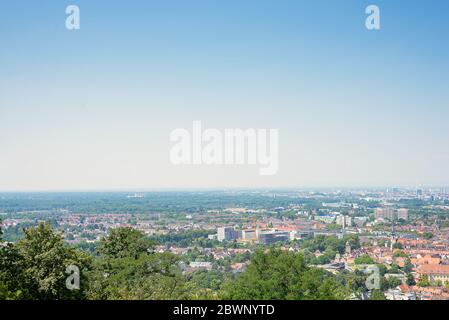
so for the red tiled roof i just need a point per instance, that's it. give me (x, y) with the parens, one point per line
(434, 269)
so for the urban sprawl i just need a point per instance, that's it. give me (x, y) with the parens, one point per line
(403, 231)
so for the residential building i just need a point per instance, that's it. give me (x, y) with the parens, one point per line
(403, 214)
(384, 213)
(435, 272)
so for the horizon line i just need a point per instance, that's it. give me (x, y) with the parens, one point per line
(194, 189)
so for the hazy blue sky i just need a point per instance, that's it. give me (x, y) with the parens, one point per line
(93, 109)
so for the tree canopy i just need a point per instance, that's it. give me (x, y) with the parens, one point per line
(278, 275)
(35, 268)
(125, 243)
(125, 266)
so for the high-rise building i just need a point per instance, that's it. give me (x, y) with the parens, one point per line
(348, 221)
(403, 214)
(360, 221)
(227, 234)
(384, 213)
(344, 221)
(340, 220)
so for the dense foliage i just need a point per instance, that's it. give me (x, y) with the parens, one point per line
(278, 275)
(35, 267)
(126, 267)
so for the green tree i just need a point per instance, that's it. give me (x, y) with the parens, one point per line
(394, 269)
(277, 275)
(410, 280)
(398, 245)
(399, 253)
(424, 281)
(428, 235)
(12, 278)
(124, 243)
(408, 267)
(382, 269)
(364, 259)
(149, 277)
(128, 269)
(355, 281)
(393, 282)
(377, 295)
(42, 259)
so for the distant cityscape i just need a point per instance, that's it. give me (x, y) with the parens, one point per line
(404, 230)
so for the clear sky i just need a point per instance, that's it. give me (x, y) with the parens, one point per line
(93, 109)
